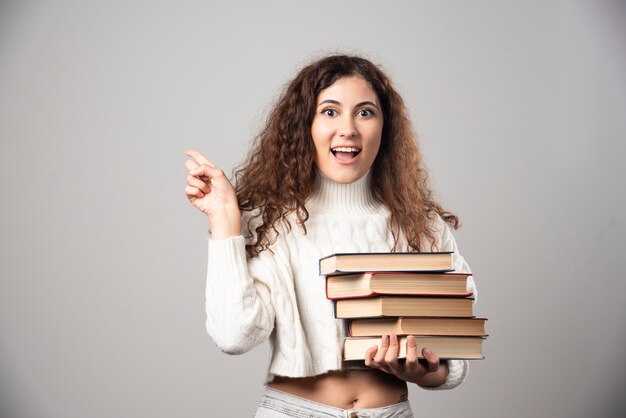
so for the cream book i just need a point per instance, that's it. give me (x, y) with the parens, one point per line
(445, 347)
(403, 306)
(468, 327)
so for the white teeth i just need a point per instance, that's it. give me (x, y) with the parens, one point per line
(345, 149)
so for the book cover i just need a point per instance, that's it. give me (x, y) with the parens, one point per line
(375, 262)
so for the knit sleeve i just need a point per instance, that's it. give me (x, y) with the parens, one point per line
(448, 243)
(239, 310)
(457, 369)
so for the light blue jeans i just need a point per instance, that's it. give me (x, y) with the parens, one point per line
(277, 404)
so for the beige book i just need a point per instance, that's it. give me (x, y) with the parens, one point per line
(444, 347)
(403, 306)
(371, 327)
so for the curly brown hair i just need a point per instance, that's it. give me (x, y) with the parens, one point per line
(279, 174)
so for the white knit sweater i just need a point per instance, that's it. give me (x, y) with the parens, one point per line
(279, 294)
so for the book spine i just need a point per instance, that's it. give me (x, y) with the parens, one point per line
(326, 288)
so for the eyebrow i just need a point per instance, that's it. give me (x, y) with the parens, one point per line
(367, 102)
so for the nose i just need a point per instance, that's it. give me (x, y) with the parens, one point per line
(347, 129)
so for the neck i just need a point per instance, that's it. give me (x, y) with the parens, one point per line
(351, 198)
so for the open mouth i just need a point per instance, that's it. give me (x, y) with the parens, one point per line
(345, 153)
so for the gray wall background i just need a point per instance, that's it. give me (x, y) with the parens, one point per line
(521, 108)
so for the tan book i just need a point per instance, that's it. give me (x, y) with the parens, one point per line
(372, 262)
(444, 347)
(396, 283)
(468, 327)
(403, 306)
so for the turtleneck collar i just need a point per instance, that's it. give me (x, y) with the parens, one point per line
(351, 198)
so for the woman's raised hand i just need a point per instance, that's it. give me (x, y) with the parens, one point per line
(211, 192)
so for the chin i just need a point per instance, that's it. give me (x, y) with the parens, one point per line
(345, 178)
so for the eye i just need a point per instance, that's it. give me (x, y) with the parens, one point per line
(366, 113)
(329, 112)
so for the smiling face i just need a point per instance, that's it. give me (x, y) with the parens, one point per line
(347, 129)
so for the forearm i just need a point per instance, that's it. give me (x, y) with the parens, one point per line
(239, 314)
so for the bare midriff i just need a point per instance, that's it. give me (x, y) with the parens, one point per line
(346, 389)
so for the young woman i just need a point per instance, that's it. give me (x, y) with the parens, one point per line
(336, 169)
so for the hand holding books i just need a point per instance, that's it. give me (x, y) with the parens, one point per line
(428, 371)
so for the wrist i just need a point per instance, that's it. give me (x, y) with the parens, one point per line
(223, 227)
(221, 232)
(435, 378)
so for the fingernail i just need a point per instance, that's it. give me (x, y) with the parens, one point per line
(427, 352)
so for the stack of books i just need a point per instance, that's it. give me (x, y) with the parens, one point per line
(403, 294)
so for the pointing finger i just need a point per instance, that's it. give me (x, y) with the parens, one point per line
(198, 157)
(190, 164)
